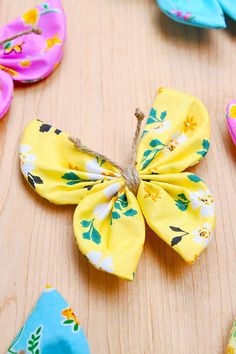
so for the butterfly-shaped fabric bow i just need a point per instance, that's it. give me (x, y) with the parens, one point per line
(30, 48)
(231, 119)
(51, 328)
(200, 13)
(114, 201)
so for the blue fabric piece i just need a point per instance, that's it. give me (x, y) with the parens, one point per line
(199, 13)
(229, 7)
(51, 328)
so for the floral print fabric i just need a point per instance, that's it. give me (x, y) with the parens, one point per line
(109, 219)
(200, 13)
(231, 120)
(52, 327)
(31, 57)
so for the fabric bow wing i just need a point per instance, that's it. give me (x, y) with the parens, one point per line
(30, 48)
(177, 206)
(108, 222)
(201, 13)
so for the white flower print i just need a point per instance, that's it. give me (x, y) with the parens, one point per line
(102, 210)
(111, 190)
(176, 140)
(162, 126)
(203, 235)
(96, 258)
(96, 171)
(27, 160)
(203, 200)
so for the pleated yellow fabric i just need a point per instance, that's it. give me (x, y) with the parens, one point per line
(109, 219)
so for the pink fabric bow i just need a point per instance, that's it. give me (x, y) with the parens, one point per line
(231, 119)
(31, 57)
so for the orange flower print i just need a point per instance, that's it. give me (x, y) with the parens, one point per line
(31, 17)
(8, 70)
(53, 41)
(70, 319)
(108, 174)
(25, 63)
(232, 111)
(189, 124)
(13, 48)
(153, 196)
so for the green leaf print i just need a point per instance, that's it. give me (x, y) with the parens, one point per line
(183, 202)
(72, 178)
(96, 236)
(202, 153)
(86, 235)
(123, 200)
(100, 161)
(92, 233)
(205, 146)
(130, 212)
(194, 178)
(155, 143)
(85, 223)
(153, 117)
(119, 209)
(115, 215)
(34, 340)
(76, 327)
(66, 322)
(46, 6)
(7, 45)
(150, 154)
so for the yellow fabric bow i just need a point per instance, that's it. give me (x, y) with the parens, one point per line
(109, 219)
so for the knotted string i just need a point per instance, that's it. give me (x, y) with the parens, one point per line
(129, 173)
(35, 30)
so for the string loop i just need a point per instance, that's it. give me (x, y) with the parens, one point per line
(129, 173)
(35, 30)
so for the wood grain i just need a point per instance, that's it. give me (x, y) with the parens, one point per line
(117, 54)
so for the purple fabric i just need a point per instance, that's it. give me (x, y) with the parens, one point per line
(231, 120)
(32, 57)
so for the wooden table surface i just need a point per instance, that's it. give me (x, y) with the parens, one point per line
(117, 54)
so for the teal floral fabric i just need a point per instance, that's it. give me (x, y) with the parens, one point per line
(200, 13)
(51, 328)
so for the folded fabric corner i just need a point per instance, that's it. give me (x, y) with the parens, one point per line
(201, 13)
(51, 328)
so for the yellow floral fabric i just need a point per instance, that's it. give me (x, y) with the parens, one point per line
(109, 220)
(231, 349)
